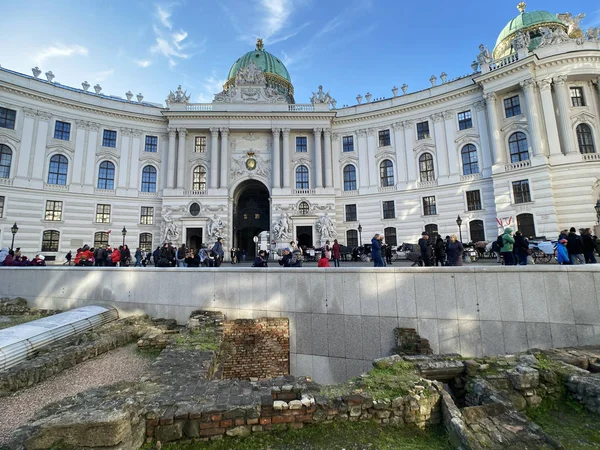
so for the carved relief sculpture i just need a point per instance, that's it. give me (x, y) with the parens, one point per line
(574, 32)
(169, 231)
(282, 231)
(326, 227)
(215, 227)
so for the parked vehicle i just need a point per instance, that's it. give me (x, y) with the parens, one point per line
(543, 251)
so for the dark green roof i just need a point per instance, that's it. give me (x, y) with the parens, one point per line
(526, 20)
(263, 59)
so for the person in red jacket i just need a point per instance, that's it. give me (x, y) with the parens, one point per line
(84, 256)
(336, 250)
(115, 257)
(323, 261)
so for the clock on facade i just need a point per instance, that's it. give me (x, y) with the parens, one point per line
(250, 164)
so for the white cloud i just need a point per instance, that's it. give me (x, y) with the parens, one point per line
(59, 50)
(210, 86)
(103, 75)
(163, 15)
(179, 37)
(169, 50)
(143, 62)
(277, 14)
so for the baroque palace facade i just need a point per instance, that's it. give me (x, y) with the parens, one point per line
(515, 142)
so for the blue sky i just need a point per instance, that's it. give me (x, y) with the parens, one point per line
(348, 46)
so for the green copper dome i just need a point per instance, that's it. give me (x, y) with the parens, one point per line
(527, 22)
(263, 59)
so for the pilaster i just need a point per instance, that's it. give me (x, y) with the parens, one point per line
(276, 158)
(562, 100)
(318, 158)
(286, 157)
(533, 118)
(214, 158)
(224, 157)
(181, 158)
(171, 159)
(545, 87)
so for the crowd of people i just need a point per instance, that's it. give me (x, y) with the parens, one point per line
(16, 258)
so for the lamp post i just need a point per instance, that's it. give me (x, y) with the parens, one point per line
(360, 235)
(459, 223)
(124, 233)
(255, 239)
(597, 208)
(13, 230)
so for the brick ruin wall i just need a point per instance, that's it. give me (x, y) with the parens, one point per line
(256, 348)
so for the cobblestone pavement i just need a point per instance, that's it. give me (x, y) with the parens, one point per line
(122, 364)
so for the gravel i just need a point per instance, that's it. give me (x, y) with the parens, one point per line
(122, 364)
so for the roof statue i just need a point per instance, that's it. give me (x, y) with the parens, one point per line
(521, 41)
(179, 96)
(572, 22)
(484, 57)
(551, 37)
(260, 45)
(251, 74)
(320, 97)
(593, 34)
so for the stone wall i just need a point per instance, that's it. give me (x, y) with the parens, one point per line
(342, 319)
(18, 307)
(256, 348)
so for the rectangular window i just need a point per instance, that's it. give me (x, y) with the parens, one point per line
(384, 138)
(465, 120)
(1, 206)
(423, 130)
(109, 139)
(389, 209)
(147, 215)
(62, 130)
(301, 144)
(473, 200)
(53, 210)
(103, 213)
(200, 144)
(521, 191)
(348, 143)
(7, 118)
(577, 96)
(151, 144)
(512, 106)
(352, 238)
(350, 213)
(429, 208)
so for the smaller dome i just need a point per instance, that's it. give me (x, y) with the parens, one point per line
(527, 22)
(263, 59)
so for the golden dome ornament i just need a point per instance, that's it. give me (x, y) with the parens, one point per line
(251, 161)
(521, 7)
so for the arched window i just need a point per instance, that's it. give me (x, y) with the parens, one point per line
(526, 225)
(199, 181)
(349, 178)
(301, 177)
(146, 241)
(431, 229)
(101, 239)
(50, 241)
(149, 179)
(106, 175)
(303, 208)
(5, 161)
(352, 238)
(584, 139)
(57, 172)
(386, 173)
(389, 235)
(476, 231)
(426, 167)
(469, 159)
(517, 144)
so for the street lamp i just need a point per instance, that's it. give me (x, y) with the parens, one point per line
(597, 208)
(124, 233)
(255, 239)
(459, 223)
(13, 230)
(360, 234)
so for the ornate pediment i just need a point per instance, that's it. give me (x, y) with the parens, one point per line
(518, 125)
(387, 153)
(582, 117)
(424, 148)
(64, 148)
(466, 138)
(150, 157)
(9, 140)
(250, 164)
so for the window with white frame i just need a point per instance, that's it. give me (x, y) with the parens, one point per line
(57, 171)
(53, 210)
(109, 139)
(200, 144)
(350, 213)
(473, 200)
(50, 240)
(301, 145)
(389, 235)
(423, 130)
(348, 143)
(145, 242)
(7, 118)
(386, 173)
(199, 179)
(426, 171)
(512, 106)
(429, 206)
(465, 121)
(352, 238)
(585, 139)
(102, 213)
(577, 96)
(389, 209)
(62, 130)
(349, 178)
(149, 179)
(106, 175)
(5, 161)
(151, 144)
(469, 159)
(517, 145)
(101, 239)
(147, 215)
(1, 206)
(384, 138)
(301, 177)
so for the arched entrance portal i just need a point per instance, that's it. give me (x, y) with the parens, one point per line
(250, 215)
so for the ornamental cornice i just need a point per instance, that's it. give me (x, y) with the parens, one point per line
(416, 106)
(448, 115)
(147, 156)
(424, 148)
(30, 112)
(8, 139)
(371, 132)
(408, 124)
(93, 126)
(362, 132)
(81, 124)
(79, 107)
(387, 153)
(348, 157)
(569, 60)
(467, 138)
(583, 117)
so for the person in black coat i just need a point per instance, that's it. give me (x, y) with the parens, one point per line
(425, 246)
(192, 259)
(261, 259)
(440, 251)
(286, 259)
(520, 248)
(575, 247)
(589, 245)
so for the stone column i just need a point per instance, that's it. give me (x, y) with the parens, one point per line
(224, 157)
(132, 172)
(171, 165)
(401, 168)
(363, 159)
(181, 158)
(409, 157)
(370, 162)
(126, 134)
(89, 160)
(533, 118)
(484, 139)
(276, 158)
(318, 159)
(441, 155)
(328, 174)
(214, 158)
(498, 153)
(39, 155)
(286, 157)
(452, 164)
(562, 99)
(26, 146)
(545, 87)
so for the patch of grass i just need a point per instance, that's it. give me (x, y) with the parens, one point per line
(567, 421)
(205, 339)
(337, 435)
(17, 320)
(381, 382)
